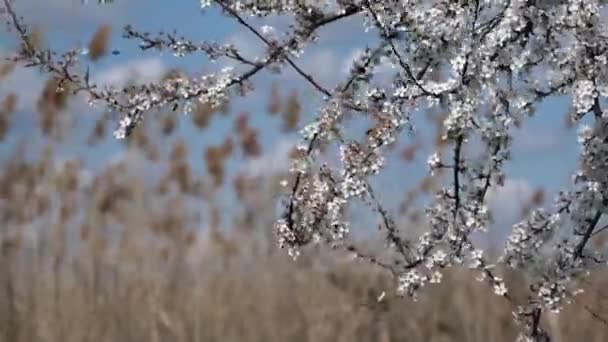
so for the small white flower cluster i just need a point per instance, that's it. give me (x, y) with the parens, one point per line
(500, 288)
(583, 97)
(410, 282)
(527, 238)
(181, 46)
(434, 162)
(210, 89)
(287, 238)
(552, 295)
(269, 33)
(459, 120)
(354, 184)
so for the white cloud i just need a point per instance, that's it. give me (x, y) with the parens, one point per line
(142, 70)
(321, 65)
(506, 202)
(274, 161)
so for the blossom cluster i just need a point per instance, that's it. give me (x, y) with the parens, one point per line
(486, 64)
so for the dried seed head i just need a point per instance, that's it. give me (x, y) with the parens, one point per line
(98, 46)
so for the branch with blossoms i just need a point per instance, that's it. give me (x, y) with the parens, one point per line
(487, 64)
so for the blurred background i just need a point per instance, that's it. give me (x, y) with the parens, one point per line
(167, 235)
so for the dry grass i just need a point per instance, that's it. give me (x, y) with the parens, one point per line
(142, 295)
(132, 268)
(98, 46)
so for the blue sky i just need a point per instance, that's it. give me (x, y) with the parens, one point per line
(544, 153)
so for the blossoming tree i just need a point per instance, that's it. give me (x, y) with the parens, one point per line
(488, 63)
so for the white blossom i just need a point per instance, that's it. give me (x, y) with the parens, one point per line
(486, 66)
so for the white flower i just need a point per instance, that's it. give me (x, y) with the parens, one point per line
(436, 277)
(458, 63)
(583, 97)
(266, 29)
(434, 161)
(500, 288)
